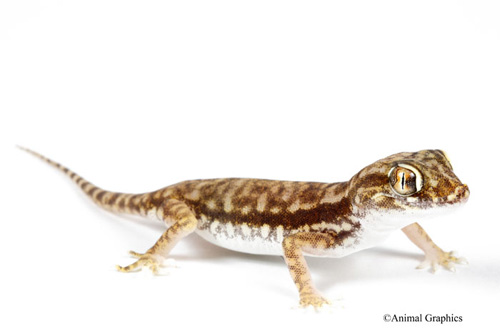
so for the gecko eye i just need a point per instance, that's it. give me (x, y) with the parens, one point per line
(405, 180)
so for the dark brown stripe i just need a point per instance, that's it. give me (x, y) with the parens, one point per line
(327, 212)
(100, 196)
(91, 191)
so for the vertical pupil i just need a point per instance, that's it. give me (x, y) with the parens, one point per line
(404, 181)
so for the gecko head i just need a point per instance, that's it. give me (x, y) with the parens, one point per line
(409, 183)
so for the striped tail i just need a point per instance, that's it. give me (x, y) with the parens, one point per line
(110, 201)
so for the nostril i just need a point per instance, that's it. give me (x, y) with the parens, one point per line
(462, 190)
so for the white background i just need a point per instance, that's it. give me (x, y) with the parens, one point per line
(137, 95)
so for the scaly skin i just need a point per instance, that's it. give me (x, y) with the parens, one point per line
(293, 219)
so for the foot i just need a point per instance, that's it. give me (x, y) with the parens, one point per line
(313, 299)
(439, 258)
(154, 262)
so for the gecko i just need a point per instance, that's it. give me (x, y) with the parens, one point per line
(297, 219)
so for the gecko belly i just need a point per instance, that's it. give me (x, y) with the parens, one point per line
(242, 237)
(266, 241)
(237, 243)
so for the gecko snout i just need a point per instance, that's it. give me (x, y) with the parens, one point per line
(462, 192)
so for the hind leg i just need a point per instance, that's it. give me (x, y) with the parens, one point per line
(185, 224)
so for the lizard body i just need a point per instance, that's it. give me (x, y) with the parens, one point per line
(293, 219)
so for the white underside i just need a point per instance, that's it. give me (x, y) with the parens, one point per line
(274, 247)
(365, 238)
(239, 244)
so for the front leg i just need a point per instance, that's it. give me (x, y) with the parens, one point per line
(434, 256)
(293, 246)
